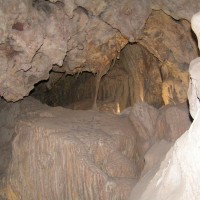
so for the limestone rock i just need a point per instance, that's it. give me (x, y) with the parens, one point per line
(135, 77)
(177, 9)
(173, 121)
(145, 79)
(153, 159)
(178, 176)
(63, 154)
(39, 35)
(26, 55)
(93, 7)
(144, 117)
(155, 155)
(72, 36)
(93, 45)
(128, 16)
(172, 43)
(8, 118)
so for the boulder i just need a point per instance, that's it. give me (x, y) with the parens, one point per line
(144, 117)
(173, 121)
(62, 154)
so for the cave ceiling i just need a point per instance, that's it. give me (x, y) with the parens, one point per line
(37, 36)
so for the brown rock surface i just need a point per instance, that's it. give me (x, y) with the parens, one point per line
(135, 77)
(153, 160)
(177, 178)
(38, 35)
(155, 155)
(144, 71)
(173, 121)
(153, 125)
(181, 9)
(8, 117)
(72, 36)
(144, 118)
(172, 43)
(64, 154)
(128, 16)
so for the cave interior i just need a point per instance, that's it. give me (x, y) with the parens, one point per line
(94, 99)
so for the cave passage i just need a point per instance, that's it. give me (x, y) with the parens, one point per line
(62, 63)
(135, 77)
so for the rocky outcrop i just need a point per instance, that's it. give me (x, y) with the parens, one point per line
(145, 84)
(144, 118)
(8, 117)
(177, 178)
(172, 43)
(38, 35)
(152, 125)
(64, 154)
(72, 36)
(155, 70)
(61, 153)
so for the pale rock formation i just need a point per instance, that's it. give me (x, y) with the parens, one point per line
(196, 26)
(60, 154)
(178, 175)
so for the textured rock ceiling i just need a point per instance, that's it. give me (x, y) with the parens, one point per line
(70, 36)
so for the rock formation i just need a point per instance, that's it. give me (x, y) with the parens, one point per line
(134, 78)
(39, 35)
(169, 125)
(177, 9)
(72, 36)
(178, 175)
(63, 154)
(172, 43)
(140, 50)
(57, 153)
(154, 70)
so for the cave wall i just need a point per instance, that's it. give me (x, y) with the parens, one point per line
(57, 154)
(153, 70)
(69, 36)
(135, 77)
(173, 43)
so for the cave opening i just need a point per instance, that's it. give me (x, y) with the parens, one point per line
(54, 144)
(135, 77)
